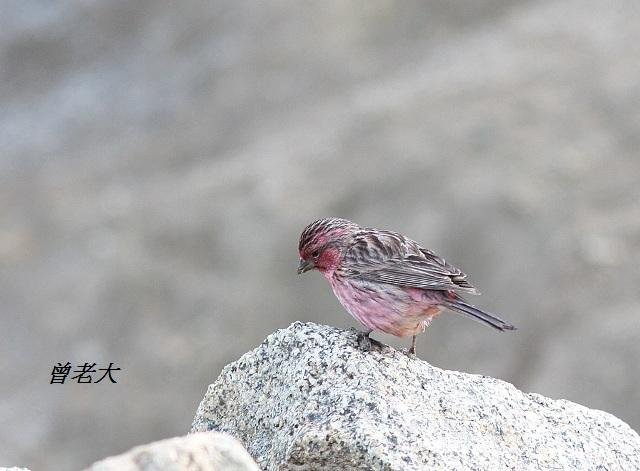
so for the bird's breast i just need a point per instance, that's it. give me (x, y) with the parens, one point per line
(384, 307)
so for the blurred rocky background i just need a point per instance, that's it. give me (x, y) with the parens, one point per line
(158, 161)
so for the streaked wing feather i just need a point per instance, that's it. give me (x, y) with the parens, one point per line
(386, 257)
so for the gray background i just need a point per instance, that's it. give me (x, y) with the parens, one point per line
(159, 160)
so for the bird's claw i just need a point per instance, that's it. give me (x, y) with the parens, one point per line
(364, 342)
(367, 344)
(410, 352)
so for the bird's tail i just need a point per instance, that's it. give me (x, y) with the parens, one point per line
(474, 313)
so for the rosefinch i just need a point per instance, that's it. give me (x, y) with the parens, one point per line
(388, 282)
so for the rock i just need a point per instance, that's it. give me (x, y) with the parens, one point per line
(202, 451)
(308, 398)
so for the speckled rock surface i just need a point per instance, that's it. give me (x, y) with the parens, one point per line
(199, 451)
(308, 398)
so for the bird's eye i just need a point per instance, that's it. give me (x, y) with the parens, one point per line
(315, 253)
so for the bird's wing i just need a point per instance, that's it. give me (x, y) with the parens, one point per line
(386, 257)
(415, 272)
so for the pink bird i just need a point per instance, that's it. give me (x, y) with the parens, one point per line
(385, 280)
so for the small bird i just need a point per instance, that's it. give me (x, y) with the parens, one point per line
(385, 280)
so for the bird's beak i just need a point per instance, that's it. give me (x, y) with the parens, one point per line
(305, 265)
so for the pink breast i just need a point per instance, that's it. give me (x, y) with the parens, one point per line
(387, 308)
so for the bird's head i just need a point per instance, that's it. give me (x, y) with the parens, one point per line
(322, 244)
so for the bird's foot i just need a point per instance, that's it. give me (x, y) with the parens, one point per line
(366, 343)
(409, 352)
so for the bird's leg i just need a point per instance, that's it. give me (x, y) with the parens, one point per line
(365, 342)
(412, 350)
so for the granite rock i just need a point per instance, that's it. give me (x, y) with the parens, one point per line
(200, 451)
(309, 398)
(157, 164)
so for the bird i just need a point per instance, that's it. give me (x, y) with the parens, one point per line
(386, 281)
